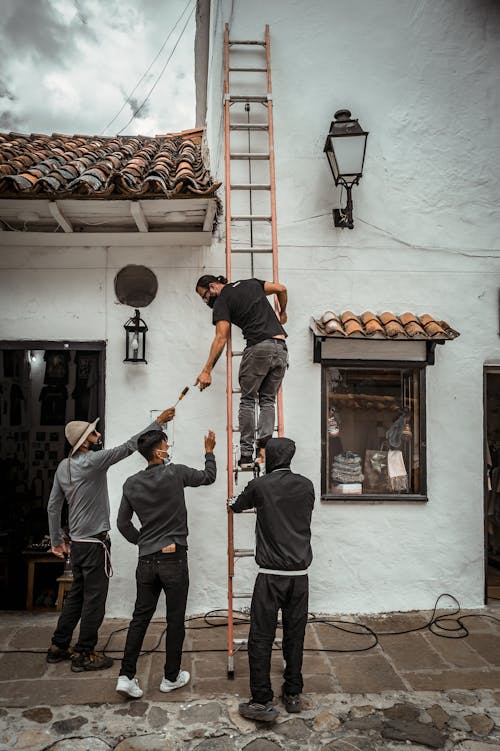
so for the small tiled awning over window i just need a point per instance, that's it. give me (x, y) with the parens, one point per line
(386, 326)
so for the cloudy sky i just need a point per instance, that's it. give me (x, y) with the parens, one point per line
(71, 66)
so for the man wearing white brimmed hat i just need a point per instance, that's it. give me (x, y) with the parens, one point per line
(81, 480)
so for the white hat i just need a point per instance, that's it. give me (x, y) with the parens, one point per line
(77, 431)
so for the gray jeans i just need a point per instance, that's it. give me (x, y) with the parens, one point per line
(262, 369)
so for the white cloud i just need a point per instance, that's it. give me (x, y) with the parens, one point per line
(69, 65)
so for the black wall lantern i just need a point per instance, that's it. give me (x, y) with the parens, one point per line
(345, 148)
(135, 343)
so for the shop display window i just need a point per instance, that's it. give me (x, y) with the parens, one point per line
(373, 432)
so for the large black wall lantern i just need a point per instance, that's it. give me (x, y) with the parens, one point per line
(345, 149)
(135, 344)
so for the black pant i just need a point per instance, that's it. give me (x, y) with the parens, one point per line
(272, 592)
(155, 573)
(86, 600)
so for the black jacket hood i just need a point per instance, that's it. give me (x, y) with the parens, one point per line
(279, 453)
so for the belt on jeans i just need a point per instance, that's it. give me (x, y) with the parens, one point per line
(275, 339)
(100, 539)
(101, 536)
(277, 572)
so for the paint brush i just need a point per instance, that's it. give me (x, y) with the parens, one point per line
(182, 395)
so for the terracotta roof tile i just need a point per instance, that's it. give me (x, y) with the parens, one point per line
(59, 165)
(371, 323)
(386, 325)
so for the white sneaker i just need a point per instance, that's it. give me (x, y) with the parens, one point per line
(181, 680)
(128, 687)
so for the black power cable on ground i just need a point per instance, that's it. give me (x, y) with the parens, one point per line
(454, 629)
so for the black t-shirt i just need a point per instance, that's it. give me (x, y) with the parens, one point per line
(245, 304)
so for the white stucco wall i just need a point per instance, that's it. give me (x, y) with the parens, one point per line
(422, 78)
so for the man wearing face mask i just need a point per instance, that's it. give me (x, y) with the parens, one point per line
(265, 358)
(156, 496)
(81, 480)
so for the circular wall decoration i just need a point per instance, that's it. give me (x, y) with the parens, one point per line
(136, 286)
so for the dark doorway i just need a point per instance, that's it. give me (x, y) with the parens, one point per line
(492, 481)
(43, 385)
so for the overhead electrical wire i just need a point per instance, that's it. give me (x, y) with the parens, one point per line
(137, 111)
(141, 79)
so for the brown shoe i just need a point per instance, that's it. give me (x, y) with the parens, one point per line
(58, 654)
(81, 661)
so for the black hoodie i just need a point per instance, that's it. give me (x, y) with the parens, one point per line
(284, 502)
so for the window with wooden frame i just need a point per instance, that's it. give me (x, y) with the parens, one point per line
(373, 431)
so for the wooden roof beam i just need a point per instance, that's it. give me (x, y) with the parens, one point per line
(59, 216)
(139, 216)
(210, 215)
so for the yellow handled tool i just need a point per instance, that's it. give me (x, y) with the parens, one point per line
(182, 395)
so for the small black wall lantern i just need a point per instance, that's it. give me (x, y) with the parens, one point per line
(135, 341)
(345, 149)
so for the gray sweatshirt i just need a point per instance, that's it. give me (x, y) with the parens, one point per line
(156, 496)
(82, 481)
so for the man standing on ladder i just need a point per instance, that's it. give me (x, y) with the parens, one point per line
(283, 502)
(264, 360)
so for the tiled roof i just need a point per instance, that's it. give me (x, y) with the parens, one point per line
(382, 326)
(60, 166)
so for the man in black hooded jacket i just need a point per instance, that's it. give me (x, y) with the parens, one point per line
(283, 502)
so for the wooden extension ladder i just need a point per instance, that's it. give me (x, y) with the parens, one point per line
(250, 214)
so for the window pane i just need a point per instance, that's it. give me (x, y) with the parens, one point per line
(372, 431)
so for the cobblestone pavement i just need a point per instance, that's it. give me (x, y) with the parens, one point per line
(411, 691)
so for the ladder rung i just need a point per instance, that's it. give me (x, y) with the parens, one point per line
(240, 642)
(249, 98)
(248, 70)
(250, 186)
(242, 595)
(251, 218)
(240, 41)
(252, 250)
(243, 553)
(248, 155)
(237, 391)
(249, 126)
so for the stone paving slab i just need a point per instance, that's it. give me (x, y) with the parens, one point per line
(411, 653)
(449, 679)
(456, 652)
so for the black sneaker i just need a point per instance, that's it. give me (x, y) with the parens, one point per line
(81, 661)
(251, 710)
(292, 703)
(246, 462)
(58, 654)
